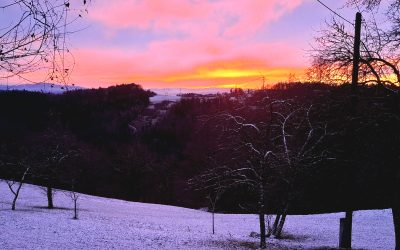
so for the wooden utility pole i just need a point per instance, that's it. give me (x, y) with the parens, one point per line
(346, 223)
(356, 55)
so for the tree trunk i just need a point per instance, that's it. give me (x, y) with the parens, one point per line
(263, 243)
(75, 209)
(396, 211)
(13, 203)
(396, 222)
(282, 222)
(268, 227)
(345, 236)
(280, 227)
(213, 203)
(213, 228)
(16, 193)
(276, 223)
(50, 197)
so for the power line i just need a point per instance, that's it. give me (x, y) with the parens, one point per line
(334, 12)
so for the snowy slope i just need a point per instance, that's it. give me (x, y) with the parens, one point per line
(114, 224)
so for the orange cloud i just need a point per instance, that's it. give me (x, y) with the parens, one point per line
(185, 64)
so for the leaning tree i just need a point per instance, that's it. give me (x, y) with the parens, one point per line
(16, 164)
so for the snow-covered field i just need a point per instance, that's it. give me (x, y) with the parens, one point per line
(160, 98)
(115, 224)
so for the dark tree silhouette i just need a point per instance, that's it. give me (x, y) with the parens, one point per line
(332, 55)
(17, 163)
(257, 153)
(390, 9)
(379, 60)
(57, 148)
(16, 185)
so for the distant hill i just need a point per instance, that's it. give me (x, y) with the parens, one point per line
(40, 87)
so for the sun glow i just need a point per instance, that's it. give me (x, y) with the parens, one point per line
(212, 74)
(229, 73)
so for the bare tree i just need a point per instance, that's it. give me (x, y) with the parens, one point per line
(251, 161)
(263, 152)
(34, 37)
(332, 54)
(228, 178)
(16, 185)
(390, 10)
(74, 197)
(299, 145)
(71, 177)
(213, 198)
(15, 163)
(53, 162)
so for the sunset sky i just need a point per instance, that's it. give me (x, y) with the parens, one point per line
(195, 43)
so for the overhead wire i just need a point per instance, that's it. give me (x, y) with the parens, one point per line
(334, 12)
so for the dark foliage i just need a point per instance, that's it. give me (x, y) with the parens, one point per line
(154, 164)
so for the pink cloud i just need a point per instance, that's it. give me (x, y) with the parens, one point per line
(143, 14)
(257, 13)
(192, 17)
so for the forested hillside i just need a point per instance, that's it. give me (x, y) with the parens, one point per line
(340, 150)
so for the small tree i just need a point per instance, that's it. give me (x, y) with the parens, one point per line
(55, 149)
(74, 197)
(16, 163)
(213, 198)
(53, 162)
(226, 178)
(71, 176)
(16, 185)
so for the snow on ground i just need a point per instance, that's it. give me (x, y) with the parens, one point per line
(172, 94)
(115, 224)
(160, 98)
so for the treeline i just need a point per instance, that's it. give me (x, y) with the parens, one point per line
(72, 138)
(83, 138)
